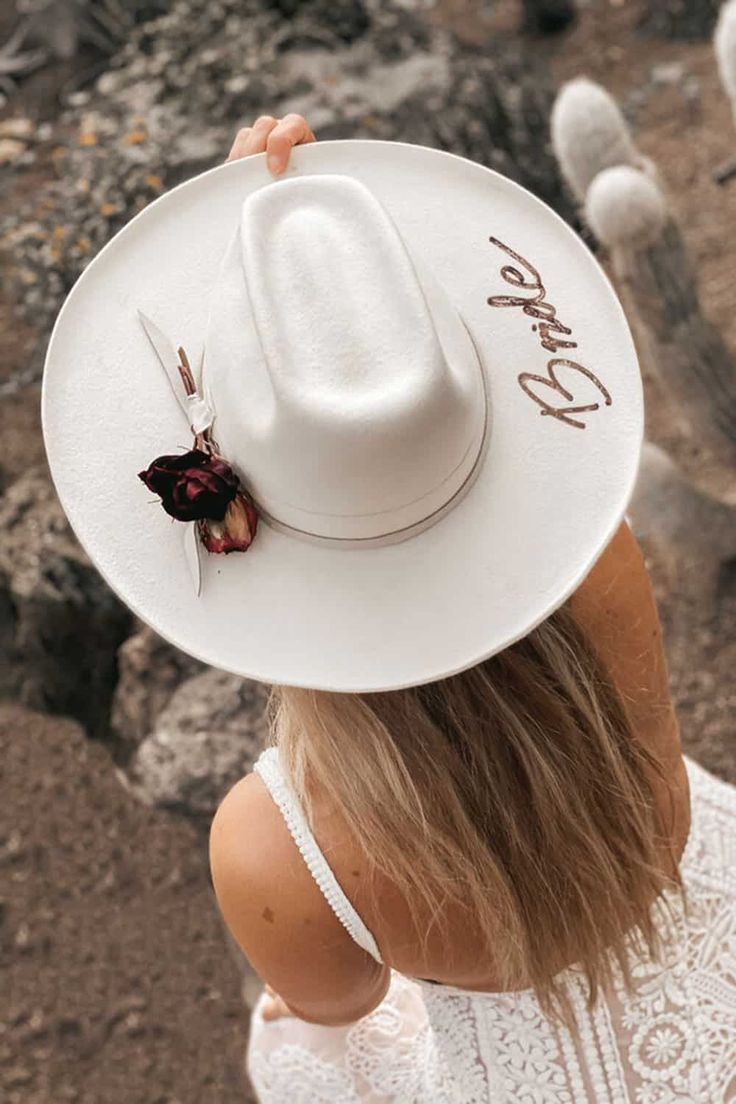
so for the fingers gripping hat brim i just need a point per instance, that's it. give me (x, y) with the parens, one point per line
(557, 474)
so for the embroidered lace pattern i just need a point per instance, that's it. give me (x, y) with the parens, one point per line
(672, 1042)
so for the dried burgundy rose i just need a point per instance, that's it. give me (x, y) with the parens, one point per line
(237, 529)
(193, 485)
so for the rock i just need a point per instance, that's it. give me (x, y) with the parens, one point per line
(347, 19)
(11, 149)
(64, 29)
(17, 1076)
(22, 939)
(206, 738)
(184, 82)
(20, 427)
(150, 670)
(688, 535)
(18, 127)
(680, 18)
(60, 625)
(671, 72)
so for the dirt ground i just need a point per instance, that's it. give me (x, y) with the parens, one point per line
(118, 985)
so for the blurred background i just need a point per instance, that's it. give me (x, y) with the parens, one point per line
(118, 984)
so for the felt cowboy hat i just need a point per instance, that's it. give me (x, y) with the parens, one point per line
(408, 373)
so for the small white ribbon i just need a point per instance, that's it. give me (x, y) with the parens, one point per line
(200, 413)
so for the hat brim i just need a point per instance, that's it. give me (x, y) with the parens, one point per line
(548, 499)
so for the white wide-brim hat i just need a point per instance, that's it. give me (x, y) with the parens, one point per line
(416, 369)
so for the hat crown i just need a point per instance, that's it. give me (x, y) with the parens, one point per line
(347, 390)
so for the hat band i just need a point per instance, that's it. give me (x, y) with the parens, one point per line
(394, 536)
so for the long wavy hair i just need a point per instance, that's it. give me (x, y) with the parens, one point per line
(514, 790)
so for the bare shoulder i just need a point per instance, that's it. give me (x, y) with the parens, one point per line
(263, 886)
(278, 915)
(248, 838)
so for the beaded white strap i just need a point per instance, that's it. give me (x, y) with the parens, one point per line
(269, 768)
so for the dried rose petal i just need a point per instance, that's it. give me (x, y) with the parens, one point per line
(235, 532)
(193, 485)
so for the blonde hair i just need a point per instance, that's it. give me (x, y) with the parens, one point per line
(515, 789)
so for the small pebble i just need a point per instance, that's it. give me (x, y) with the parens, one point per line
(17, 127)
(671, 72)
(11, 150)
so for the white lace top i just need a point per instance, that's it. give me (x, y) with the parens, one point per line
(673, 1042)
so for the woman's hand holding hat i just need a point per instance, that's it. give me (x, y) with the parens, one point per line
(273, 136)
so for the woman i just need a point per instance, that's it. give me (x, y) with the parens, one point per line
(506, 885)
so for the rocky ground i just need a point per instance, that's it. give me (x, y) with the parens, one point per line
(122, 986)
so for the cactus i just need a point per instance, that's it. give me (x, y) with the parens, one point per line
(589, 134)
(626, 207)
(724, 44)
(689, 534)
